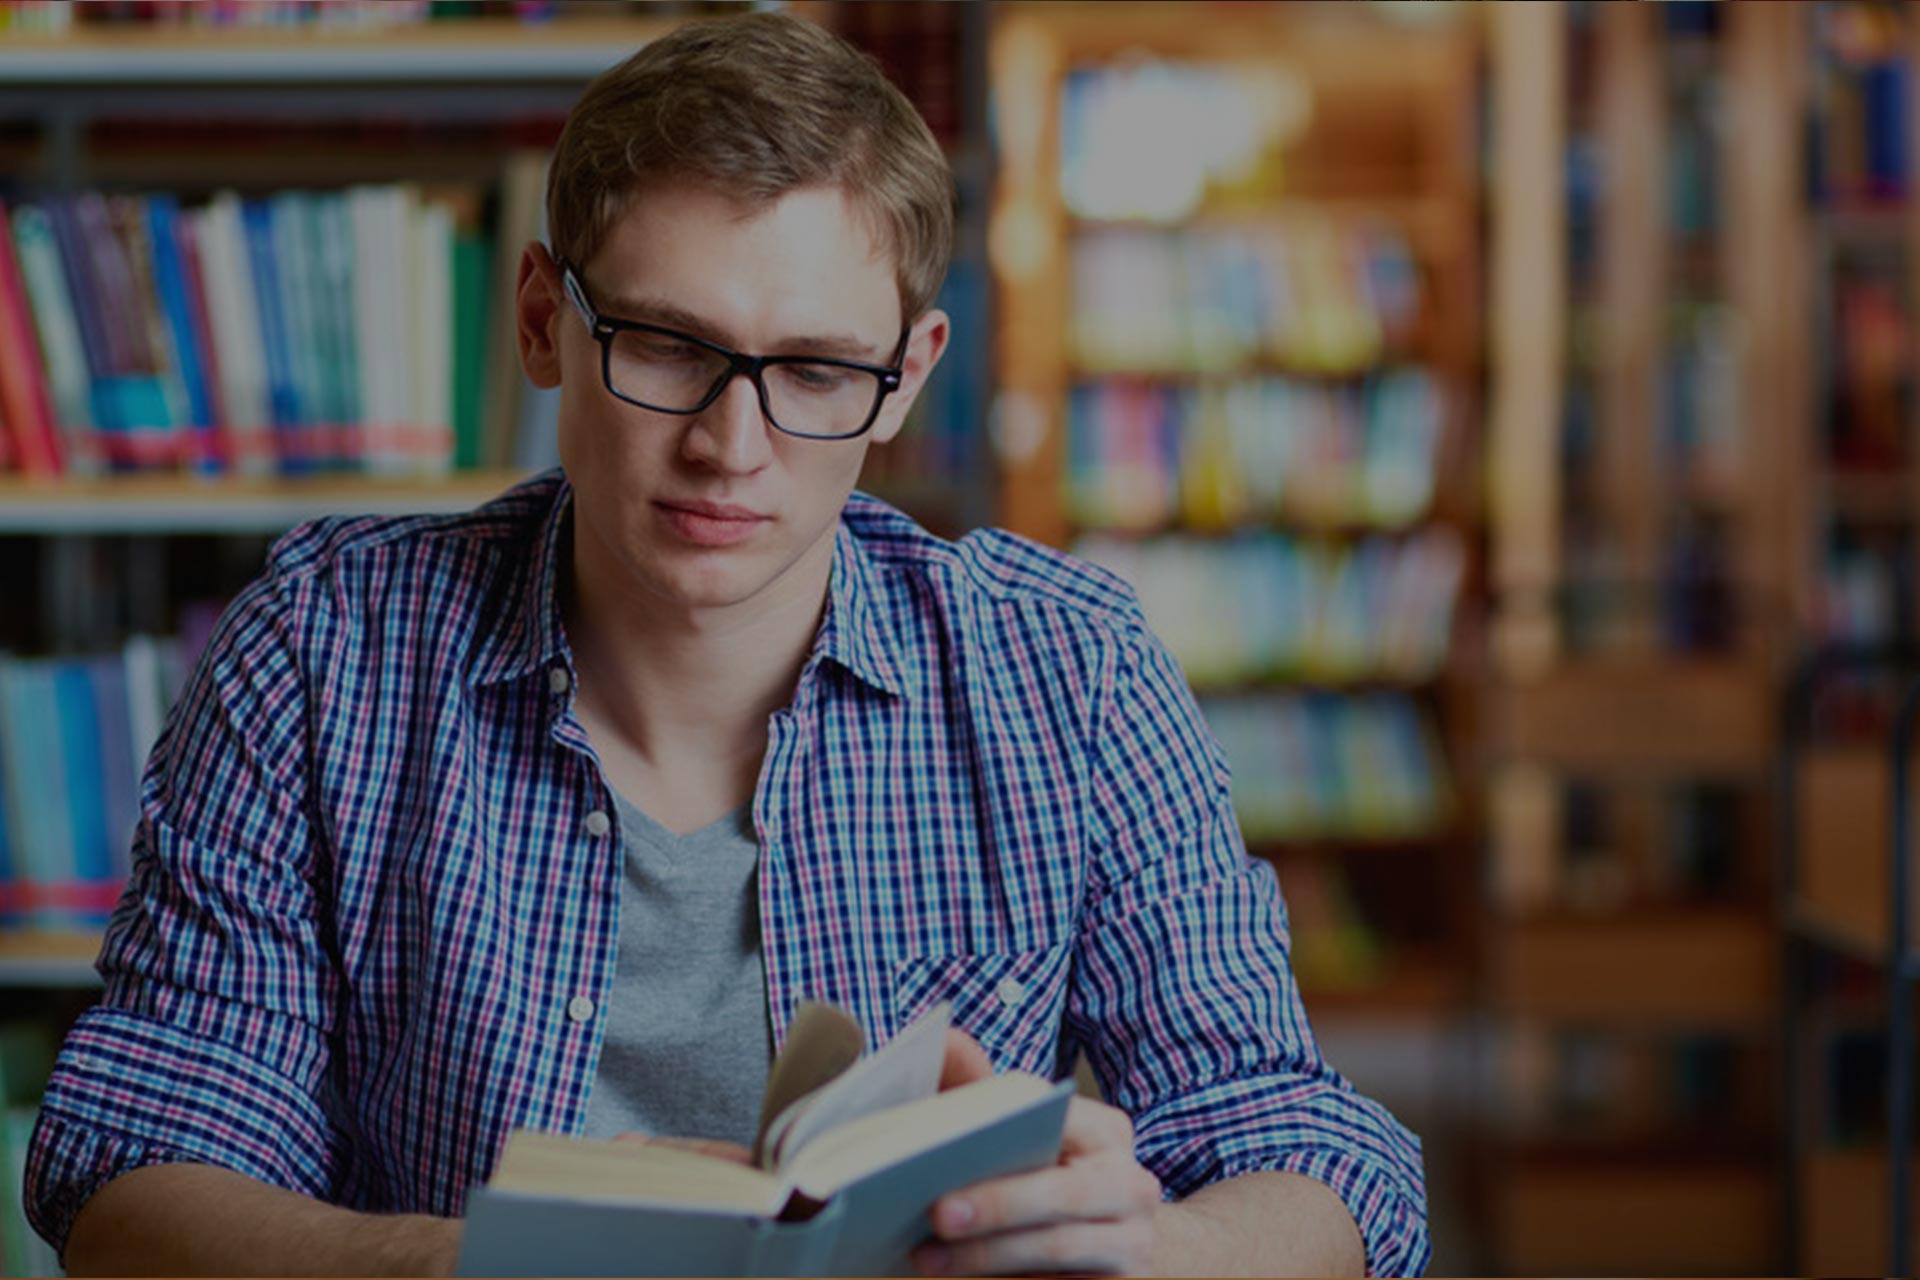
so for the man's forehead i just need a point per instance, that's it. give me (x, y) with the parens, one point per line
(802, 265)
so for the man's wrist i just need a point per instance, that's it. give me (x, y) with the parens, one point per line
(417, 1245)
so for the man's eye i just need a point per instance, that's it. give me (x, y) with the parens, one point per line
(657, 348)
(816, 377)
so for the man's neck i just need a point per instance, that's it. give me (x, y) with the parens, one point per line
(677, 699)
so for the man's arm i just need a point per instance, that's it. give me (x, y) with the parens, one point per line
(1258, 1224)
(197, 1220)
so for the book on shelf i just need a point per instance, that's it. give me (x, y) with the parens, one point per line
(1216, 455)
(351, 330)
(1324, 766)
(1304, 292)
(1263, 606)
(74, 738)
(850, 1156)
(1860, 151)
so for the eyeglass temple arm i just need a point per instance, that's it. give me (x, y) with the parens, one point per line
(577, 295)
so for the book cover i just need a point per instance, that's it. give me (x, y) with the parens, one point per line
(90, 892)
(332, 236)
(24, 401)
(159, 441)
(119, 777)
(472, 296)
(286, 413)
(522, 218)
(429, 445)
(233, 315)
(170, 283)
(851, 1155)
(213, 451)
(306, 440)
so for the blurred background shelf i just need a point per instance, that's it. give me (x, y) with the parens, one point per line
(41, 959)
(137, 504)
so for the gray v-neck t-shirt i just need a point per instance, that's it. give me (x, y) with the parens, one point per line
(688, 1041)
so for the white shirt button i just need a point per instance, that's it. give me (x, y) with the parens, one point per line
(557, 680)
(580, 1009)
(1010, 991)
(598, 823)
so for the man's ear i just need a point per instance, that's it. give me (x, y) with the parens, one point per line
(538, 311)
(926, 343)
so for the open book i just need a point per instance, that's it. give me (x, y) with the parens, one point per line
(851, 1154)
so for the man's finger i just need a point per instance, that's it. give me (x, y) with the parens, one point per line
(1093, 1189)
(1078, 1248)
(965, 1062)
(1093, 1127)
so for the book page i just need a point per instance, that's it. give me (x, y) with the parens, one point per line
(905, 1069)
(822, 1042)
(637, 1173)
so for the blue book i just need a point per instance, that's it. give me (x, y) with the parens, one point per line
(847, 1171)
(37, 789)
(118, 779)
(80, 754)
(170, 282)
(283, 392)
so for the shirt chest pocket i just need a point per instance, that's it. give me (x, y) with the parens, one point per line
(1010, 1001)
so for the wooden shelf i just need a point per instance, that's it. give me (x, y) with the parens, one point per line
(475, 50)
(1423, 988)
(1620, 1218)
(37, 958)
(221, 505)
(1432, 224)
(1843, 1214)
(1645, 716)
(1841, 852)
(1705, 968)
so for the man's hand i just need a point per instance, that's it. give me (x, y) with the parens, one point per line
(1092, 1212)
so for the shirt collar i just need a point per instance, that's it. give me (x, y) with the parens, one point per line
(528, 636)
(856, 632)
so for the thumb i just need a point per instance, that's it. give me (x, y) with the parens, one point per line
(966, 1061)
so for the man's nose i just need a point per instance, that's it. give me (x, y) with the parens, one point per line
(732, 434)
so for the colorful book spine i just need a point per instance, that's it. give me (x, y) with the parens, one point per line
(171, 277)
(25, 405)
(277, 337)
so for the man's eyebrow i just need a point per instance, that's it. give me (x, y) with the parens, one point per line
(834, 346)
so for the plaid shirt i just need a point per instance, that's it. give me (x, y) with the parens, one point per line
(372, 921)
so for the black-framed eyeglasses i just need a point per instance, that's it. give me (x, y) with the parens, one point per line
(667, 371)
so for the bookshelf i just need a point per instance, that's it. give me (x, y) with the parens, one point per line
(116, 570)
(1249, 389)
(1642, 434)
(1850, 984)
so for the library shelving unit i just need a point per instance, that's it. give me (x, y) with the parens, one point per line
(94, 563)
(1241, 371)
(1643, 349)
(1858, 611)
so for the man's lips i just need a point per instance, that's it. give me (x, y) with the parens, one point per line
(711, 525)
(714, 510)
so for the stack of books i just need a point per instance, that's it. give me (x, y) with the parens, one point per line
(1220, 455)
(303, 331)
(74, 738)
(1267, 606)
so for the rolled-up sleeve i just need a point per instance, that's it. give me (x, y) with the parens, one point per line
(1184, 998)
(210, 1044)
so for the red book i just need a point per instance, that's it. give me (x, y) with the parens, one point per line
(24, 401)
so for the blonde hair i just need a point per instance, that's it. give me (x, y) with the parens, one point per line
(756, 106)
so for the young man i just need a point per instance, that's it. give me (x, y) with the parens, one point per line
(551, 815)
